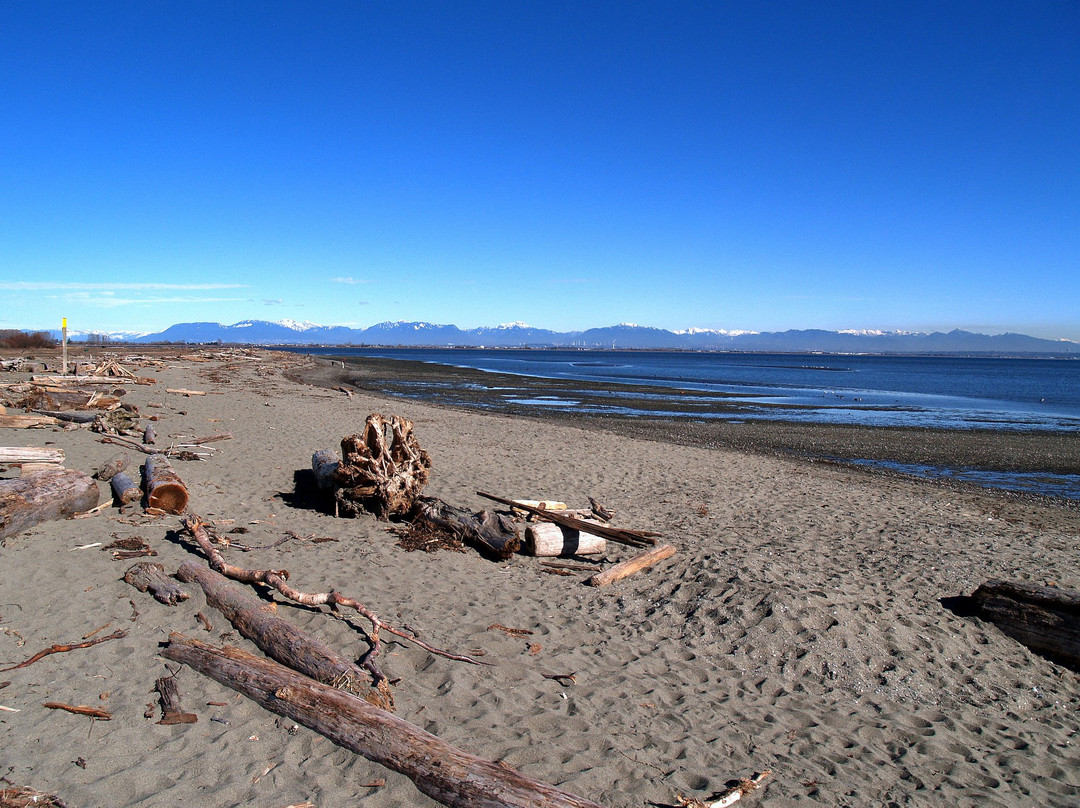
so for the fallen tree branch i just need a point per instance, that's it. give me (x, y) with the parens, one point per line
(729, 797)
(277, 579)
(441, 771)
(58, 649)
(82, 709)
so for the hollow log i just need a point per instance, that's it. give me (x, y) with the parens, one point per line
(441, 771)
(124, 489)
(325, 464)
(148, 576)
(41, 497)
(382, 470)
(547, 539)
(17, 455)
(1044, 618)
(278, 638)
(490, 533)
(632, 565)
(164, 489)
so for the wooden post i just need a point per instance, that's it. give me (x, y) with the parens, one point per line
(441, 771)
(63, 330)
(60, 494)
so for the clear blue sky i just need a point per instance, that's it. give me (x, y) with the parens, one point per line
(738, 165)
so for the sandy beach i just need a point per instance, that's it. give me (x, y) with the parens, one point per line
(798, 629)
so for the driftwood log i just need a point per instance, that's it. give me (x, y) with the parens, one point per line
(47, 495)
(164, 488)
(382, 470)
(27, 421)
(487, 531)
(439, 770)
(1044, 618)
(17, 455)
(148, 576)
(124, 488)
(632, 565)
(634, 538)
(280, 639)
(547, 539)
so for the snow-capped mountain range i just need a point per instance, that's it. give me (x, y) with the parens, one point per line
(624, 335)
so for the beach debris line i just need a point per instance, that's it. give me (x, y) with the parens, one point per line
(59, 649)
(46, 495)
(441, 771)
(1044, 618)
(146, 576)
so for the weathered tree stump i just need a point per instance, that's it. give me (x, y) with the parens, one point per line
(382, 471)
(47, 495)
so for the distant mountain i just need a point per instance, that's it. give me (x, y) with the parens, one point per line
(624, 335)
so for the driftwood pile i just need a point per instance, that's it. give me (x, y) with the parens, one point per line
(382, 471)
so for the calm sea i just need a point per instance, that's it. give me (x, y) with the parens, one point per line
(937, 392)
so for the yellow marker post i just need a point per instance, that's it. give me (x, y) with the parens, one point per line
(63, 330)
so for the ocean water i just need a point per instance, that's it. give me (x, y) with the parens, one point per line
(934, 392)
(940, 392)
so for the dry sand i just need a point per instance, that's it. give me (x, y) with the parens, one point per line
(798, 628)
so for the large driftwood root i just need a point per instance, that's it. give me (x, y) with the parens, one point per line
(382, 470)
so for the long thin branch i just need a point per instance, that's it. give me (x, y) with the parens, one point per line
(277, 579)
(56, 649)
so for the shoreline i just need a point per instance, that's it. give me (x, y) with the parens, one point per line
(984, 449)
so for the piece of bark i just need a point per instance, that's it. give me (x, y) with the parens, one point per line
(492, 534)
(383, 470)
(170, 703)
(148, 576)
(47, 495)
(632, 565)
(124, 489)
(1044, 618)
(634, 538)
(547, 540)
(31, 454)
(278, 638)
(439, 770)
(164, 489)
(116, 464)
